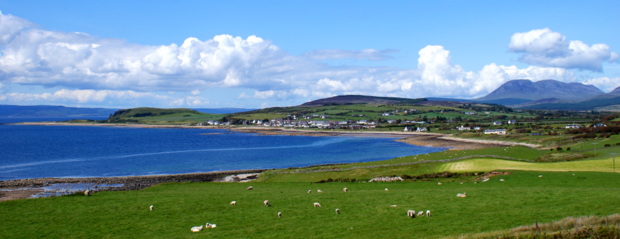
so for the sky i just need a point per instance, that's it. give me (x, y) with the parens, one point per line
(258, 54)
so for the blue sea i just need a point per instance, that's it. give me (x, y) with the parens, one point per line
(30, 151)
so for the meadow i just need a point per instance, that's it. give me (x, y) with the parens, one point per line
(520, 198)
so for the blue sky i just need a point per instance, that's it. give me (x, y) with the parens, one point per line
(254, 54)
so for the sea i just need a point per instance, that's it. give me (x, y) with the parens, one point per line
(35, 151)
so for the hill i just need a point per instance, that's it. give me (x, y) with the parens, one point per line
(148, 115)
(52, 111)
(361, 99)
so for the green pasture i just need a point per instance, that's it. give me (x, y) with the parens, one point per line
(521, 199)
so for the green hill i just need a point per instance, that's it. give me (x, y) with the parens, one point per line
(148, 115)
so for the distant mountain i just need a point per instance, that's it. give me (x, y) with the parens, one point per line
(52, 111)
(545, 89)
(361, 99)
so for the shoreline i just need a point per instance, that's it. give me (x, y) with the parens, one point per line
(24, 188)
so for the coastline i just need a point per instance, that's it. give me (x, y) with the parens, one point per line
(25, 188)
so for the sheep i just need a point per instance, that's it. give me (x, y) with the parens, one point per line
(345, 190)
(411, 213)
(428, 213)
(210, 225)
(87, 192)
(501, 180)
(386, 189)
(250, 188)
(151, 208)
(438, 183)
(394, 205)
(319, 191)
(279, 214)
(197, 228)
(420, 213)
(309, 191)
(337, 211)
(316, 204)
(540, 176)
(461, 195)
(266, 202)
(233, 203)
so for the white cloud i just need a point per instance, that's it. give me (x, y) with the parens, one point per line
(365, 54)
(121, 72)
(544, 47)
(606, 84)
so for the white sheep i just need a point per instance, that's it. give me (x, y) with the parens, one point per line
(250, 188)
(410, 213)
(540, 176)
(501, 180)
(151, 208)
(316, 204)
(428, 213)
(210, 225)
(337, 211)
(438, 183)
(309, 191)
(87, 193)
(461, 195)
(345, 190)
(266, 202)
(197, 228)
(279, 214)
(386, 189)
(233, 203)
(319, 191)
(393, 205)
(420, 213)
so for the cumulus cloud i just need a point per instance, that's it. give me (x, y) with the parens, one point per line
(544, 47)
(606, 84)
(99, 70)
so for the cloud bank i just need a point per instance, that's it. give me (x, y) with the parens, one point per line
(88, 69)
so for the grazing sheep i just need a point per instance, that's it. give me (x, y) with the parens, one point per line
(197, 228)
(210, 225)
(233, 203)
(461, 195)
(151, 208)
(411, 213)
(428, 213)
(250, 188)
(540, 176)
(420, 213)
(501, 180)
(309, 191)
(337, 211)
(345, 190)
(316, 204)
(386, 189)
(279, 214)
(319, 191)
(438, 183)
(87, 193)
(266, 202)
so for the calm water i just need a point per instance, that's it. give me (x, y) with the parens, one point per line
(80, 151)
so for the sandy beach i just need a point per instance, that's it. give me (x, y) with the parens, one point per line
(24, 188)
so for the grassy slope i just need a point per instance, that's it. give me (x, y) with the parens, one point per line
(522, 199)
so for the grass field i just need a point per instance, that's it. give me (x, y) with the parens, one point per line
(522, 199)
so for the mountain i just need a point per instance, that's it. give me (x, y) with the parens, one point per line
(361, 99)
(52, 111)
(545, 89)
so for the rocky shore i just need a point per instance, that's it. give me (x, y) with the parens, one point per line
(23, 188)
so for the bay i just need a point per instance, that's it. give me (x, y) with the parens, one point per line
(31, 151)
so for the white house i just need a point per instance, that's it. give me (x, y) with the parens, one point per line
(495, 131)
